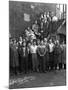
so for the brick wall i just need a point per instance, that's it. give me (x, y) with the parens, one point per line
(17, 24)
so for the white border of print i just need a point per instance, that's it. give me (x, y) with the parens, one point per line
(4, 46)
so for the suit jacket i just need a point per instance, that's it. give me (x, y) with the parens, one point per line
(64, 54)
(24, 52)
(19, 48)
(15, 60)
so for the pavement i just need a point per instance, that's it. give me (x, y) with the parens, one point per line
(31, 80)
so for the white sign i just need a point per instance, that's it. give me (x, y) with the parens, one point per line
(26, 17)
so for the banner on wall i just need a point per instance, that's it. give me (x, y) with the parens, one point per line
(26, 17)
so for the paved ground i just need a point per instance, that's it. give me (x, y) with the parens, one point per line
(52, 78)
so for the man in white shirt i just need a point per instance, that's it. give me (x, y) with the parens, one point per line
(51, 54)
(35, 27)
(47, 53)
(33, 50)
(51, 46)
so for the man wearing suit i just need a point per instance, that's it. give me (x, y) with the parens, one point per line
(15, 61)
(41, 52)
(57, 56)
(24, 58)
(19, 52)
(47, 53)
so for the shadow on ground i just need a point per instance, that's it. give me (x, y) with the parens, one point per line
(53, 78)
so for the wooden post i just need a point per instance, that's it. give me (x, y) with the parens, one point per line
(63, 11)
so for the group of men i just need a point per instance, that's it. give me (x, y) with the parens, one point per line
(36, 55)
(42, 26)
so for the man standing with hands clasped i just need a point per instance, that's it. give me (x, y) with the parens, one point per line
(41, 52)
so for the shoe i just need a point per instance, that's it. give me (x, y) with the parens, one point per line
(37, 70)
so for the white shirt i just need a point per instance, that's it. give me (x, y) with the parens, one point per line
(54, 18)
(33, 48)
(51, 46)
(20, 42)
(33, 36)
(24, 50)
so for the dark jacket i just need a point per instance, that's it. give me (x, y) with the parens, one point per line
(22, 53)
(57, 54)
(15, 61)
(64, 55)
